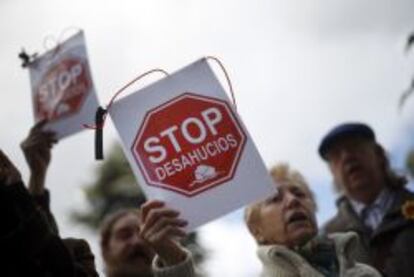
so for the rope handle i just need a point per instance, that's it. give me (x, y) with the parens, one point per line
(102, 113)
(122, 89)
(57, 42)
(27, 59)
(233, 98)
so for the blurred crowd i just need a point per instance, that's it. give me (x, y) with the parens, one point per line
(372, 233)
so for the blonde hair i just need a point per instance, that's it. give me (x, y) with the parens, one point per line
(280, 173)
(283, 173)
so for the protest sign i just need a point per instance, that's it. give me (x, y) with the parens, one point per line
(188, 147)
(62, 88)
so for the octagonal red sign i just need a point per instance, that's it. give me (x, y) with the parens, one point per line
(189, 144)
(62, 90)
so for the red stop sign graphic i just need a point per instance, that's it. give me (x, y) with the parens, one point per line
(189, 144)
(62, 90)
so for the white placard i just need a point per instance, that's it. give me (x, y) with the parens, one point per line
(187, 146)
(62, 88)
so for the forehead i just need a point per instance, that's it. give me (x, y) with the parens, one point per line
(288, 185)
(126, 221)
(350, 142)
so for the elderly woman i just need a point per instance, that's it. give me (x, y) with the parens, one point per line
(284, 226)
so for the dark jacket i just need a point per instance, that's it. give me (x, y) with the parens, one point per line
(389, 248)
(29, 246)
(84, 260)
(80, 252)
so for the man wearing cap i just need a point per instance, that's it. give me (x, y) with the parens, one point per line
(374, 201)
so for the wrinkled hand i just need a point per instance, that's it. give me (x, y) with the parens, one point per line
(9, 174)
(37, 151)
(161, 227)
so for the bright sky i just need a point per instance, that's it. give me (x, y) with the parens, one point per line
(298, 68)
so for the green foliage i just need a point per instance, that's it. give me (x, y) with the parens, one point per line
(409, 91)
(114, 188)
(410, 41)
(410, 162)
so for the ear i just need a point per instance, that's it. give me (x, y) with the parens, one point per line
(336, 184)
(382, 154)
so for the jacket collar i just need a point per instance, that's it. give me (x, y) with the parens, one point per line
(350, 220)
(392, 220)
(271, 255)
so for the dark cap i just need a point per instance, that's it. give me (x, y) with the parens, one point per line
(344, 130)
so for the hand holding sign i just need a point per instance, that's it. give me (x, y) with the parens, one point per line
(160, 228)
(37, 152)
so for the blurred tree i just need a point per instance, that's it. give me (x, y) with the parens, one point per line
(410, 163)
(410, 41)
(410, 89)
(115, 188)
(404, 96)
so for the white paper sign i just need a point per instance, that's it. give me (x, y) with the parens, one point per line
(62, 88)
(188, 147)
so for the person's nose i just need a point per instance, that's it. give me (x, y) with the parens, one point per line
(291, 200)
(344, 155)
(135, 239)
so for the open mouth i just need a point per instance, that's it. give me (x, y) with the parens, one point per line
(140, 254)
(298, 217)
(353, 169)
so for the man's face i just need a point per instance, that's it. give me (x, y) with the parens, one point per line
(357, 167)
(287, 218)
(127, 253)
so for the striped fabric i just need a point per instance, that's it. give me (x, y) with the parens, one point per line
(372, 215)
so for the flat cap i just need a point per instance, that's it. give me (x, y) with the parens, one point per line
(344, 130)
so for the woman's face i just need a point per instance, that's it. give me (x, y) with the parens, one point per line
(288, 217)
